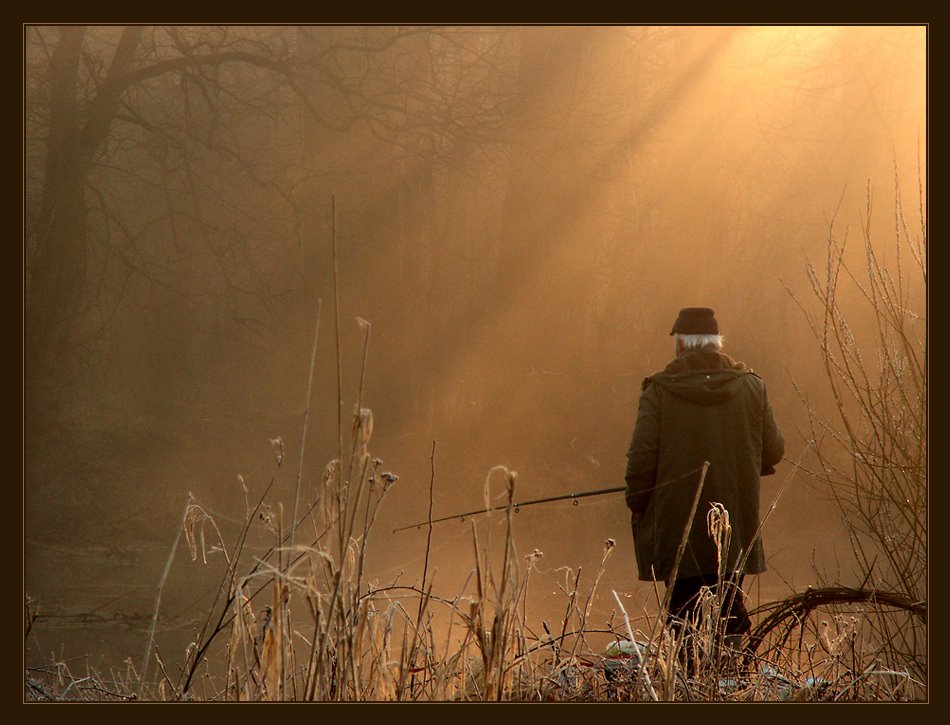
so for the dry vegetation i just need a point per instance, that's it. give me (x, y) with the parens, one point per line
(303, 622)
(871, 449)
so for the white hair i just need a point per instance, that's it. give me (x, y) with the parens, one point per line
(698, 342)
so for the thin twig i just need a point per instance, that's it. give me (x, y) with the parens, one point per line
(158, 599)
(306, 417)
(641, 662)
(425, 566)
(336, 309)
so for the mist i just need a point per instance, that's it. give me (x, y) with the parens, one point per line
(498, 226)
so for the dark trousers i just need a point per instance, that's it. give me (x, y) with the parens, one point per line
(685, 599)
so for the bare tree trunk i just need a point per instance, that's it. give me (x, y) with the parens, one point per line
(56, 270)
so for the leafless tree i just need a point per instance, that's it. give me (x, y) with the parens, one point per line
(871, 445)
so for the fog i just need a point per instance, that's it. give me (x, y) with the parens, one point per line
(518, 213)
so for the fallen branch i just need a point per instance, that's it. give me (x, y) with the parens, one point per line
(800, 605)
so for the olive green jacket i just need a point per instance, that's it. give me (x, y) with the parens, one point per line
(703, 407)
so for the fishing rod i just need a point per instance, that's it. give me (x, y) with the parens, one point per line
(516, 506)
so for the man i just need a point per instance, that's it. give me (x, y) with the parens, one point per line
(704, 406)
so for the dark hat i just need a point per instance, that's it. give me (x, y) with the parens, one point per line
(696, 321)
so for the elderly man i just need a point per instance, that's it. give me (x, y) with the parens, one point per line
(704, 406)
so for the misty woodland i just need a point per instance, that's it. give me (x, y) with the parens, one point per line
(335, 338)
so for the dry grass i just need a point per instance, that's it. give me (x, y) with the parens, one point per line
(303, 623)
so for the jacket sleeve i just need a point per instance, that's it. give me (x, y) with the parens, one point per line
(644, 452)
(773, 445)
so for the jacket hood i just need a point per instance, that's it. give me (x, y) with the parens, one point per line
(703, 378)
